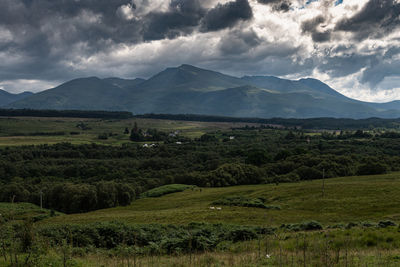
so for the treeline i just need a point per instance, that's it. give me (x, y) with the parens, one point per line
(140, 135)
(312, 123)
(69, 197)
(78, 178)
(66, 113)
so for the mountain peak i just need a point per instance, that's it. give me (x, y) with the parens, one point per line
(188, 67)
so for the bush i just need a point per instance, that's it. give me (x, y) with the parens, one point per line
(371, 168)
(311, 225)
(152, 238)
(305, 226)
(384, 224)
(242, 201)
(351, 225)
(166, 189)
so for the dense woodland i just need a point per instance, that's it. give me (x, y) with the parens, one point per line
(80, 178)
(311, 123)
(65, 113)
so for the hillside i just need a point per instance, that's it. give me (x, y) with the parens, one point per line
(190, 90)
(350, 199)
(83, 94)
(7, 98)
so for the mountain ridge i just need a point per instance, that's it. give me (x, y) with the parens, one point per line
(7, 98)
(192, 90)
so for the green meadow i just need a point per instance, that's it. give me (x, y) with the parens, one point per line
(353, 212)
(35, 131)
(348, 199)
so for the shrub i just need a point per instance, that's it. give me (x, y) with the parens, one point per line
(305, 226)
(152, 238)
(371, 168)
(387, 223)
(166, 189)
(311, 225)
(351, 225)
(242, 201)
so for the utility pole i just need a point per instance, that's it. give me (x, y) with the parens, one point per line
(323, 182)
(41, 199)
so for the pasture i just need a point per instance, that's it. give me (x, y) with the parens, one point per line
(347, 199)
(35, 130)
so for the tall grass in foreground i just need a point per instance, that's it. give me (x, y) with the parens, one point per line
(358, 246)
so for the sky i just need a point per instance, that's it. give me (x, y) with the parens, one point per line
(352, 45)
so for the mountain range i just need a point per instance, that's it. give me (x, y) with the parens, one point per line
(190, 90)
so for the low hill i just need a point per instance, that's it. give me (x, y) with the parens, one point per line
(7, 98)
(349, 199)
(81, 94)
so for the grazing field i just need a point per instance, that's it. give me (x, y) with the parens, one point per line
(22, 211)
(358, 217)
(35, 131)
(349, 199)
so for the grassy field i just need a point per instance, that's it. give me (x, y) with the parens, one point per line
(363, 201)
(350, 199)
(21, 130)
(22, 211)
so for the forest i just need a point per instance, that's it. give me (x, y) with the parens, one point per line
(310, 123)
(80, 178)
(65, 113)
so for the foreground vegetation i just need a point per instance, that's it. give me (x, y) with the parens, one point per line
(116, 244)
(144, 192)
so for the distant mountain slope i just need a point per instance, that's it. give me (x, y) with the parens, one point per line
(7, 98)
(188, 89)
(309, 86)
(186, 77)
(83, 94)
(124, 83)
(251, 101)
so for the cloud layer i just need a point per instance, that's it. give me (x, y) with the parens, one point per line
(353, 45)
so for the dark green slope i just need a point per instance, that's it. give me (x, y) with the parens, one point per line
(186, 77)
(84, 94)
(248, 101)
(309, 86)
(7, 98)
(124, 83)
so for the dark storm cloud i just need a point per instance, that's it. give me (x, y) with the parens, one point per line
(57, 40)
(239, 42)
(46, 31)
(375, 19)
(378, 70)
(312, 26)
(181, 18)
(277, 5)
(339, 66)
(226, 15)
